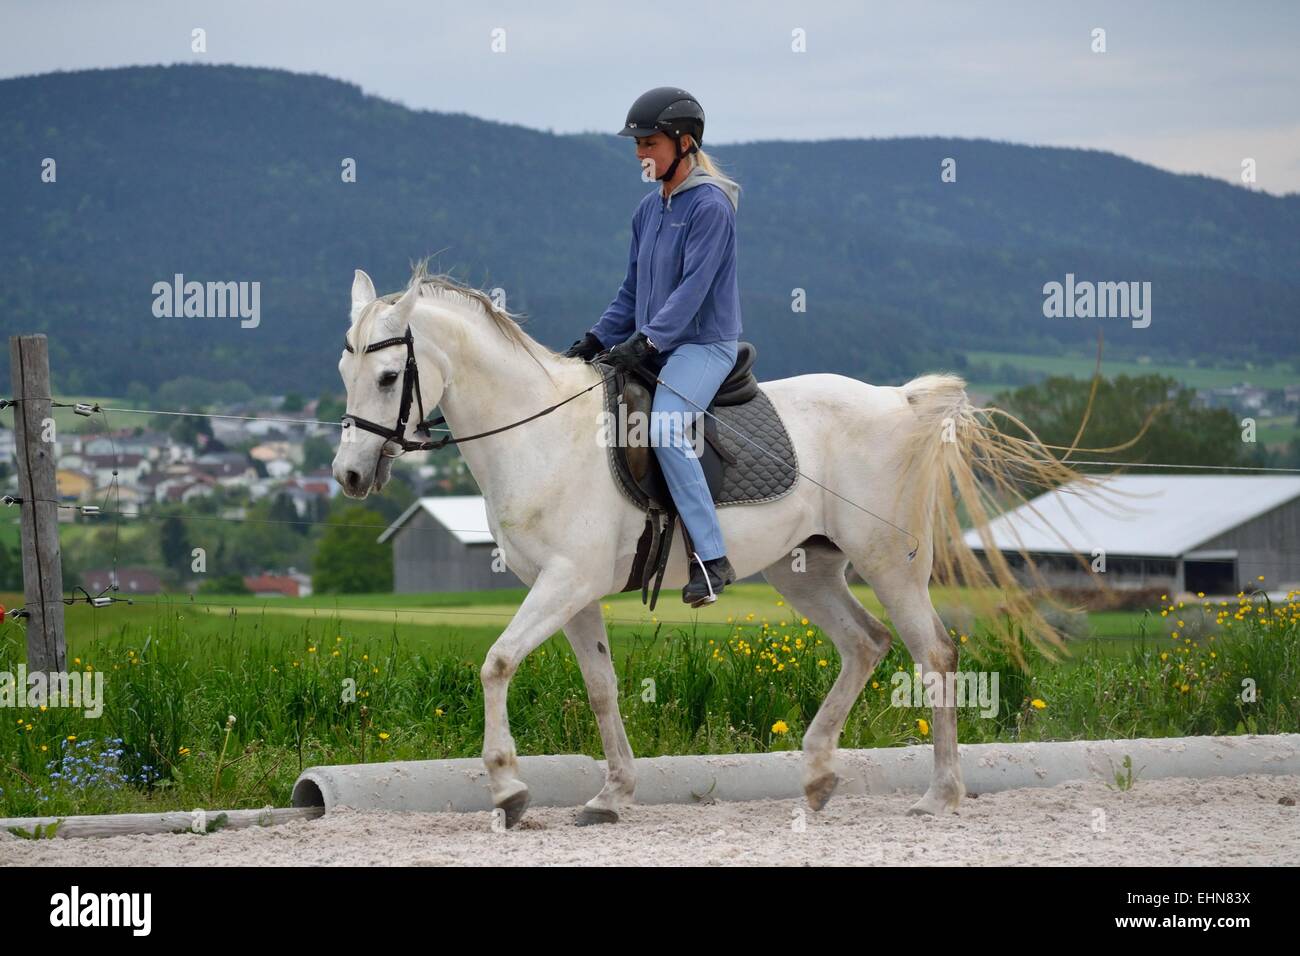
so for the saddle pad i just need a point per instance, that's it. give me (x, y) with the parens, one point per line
(755, 476)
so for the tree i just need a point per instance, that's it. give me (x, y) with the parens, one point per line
(139, 396)
(1180, 433)
(330, 408)
(174, 543)
(396, 497)
(283, 511)
(188, 428)
(349, 558)
(225, 584)
(317, 452)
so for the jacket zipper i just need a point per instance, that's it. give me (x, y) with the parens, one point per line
(658, 226)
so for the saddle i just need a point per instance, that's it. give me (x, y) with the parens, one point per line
(746, 456)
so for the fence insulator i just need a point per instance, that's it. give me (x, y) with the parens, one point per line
(11, 500)
(90, 509)
(101, 601)
(84, 408)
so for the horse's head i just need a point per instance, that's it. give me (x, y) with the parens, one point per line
(375, 379)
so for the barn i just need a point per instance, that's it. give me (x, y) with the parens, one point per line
(1218, 534)
(443, 544)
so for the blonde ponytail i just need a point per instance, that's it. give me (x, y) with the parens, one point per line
(706, 163)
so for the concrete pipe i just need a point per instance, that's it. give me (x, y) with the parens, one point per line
(572, 780)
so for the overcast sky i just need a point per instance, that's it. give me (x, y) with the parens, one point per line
(1187, 86)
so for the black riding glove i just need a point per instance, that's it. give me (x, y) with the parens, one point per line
(629, 354)
(586, 348)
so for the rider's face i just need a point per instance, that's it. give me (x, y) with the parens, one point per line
(657, 149)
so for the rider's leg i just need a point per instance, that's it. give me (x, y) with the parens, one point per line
(695, 371)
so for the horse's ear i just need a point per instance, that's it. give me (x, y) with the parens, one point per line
(402, 307)
(363, 291)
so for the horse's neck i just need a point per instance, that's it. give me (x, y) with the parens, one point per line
(495, 382)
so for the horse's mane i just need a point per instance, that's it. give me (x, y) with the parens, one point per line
(442, 285)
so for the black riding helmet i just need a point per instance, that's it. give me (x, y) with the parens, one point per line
(670, 110)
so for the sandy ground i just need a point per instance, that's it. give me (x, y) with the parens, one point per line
(1216, 822)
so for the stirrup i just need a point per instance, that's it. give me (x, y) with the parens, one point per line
(707, 583)
(697, 599)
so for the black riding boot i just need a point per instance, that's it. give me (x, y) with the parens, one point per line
(708, 578)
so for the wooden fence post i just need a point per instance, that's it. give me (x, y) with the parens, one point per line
(29, 363)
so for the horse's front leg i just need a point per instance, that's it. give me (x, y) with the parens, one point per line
(586, 634)
(551, 602)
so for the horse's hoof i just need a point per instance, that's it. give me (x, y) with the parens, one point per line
(819, 790)
(514, 807)
(933, 805)
(594, 815)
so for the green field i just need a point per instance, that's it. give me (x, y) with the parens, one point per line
(473, 620)
(1190, 374)
(1279, 430)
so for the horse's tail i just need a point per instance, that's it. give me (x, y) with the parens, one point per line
(966, 467)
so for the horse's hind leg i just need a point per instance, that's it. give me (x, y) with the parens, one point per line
(907, 599)
(586, 634)
(820, 593)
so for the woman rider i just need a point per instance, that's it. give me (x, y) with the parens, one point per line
(678, 310)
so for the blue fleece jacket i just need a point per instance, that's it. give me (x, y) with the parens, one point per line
(681, 274)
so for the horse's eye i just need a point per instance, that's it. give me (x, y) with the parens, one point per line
(387, 379)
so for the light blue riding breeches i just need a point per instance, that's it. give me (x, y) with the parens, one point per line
(695, 371)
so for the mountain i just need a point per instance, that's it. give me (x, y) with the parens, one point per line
(233, 174)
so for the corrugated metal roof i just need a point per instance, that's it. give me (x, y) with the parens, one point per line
(465, 516)
(1142, 515)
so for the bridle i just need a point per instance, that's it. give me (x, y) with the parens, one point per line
(411, 389)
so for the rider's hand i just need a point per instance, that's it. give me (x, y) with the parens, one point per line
(586, 348)
(631, 353)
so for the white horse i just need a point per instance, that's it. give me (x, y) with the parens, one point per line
(567, 531)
